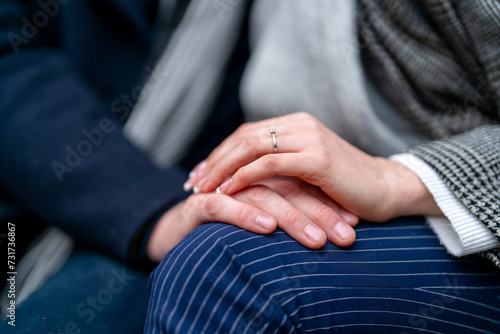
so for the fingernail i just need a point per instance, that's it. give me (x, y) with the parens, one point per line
(187, 187)
(225, 186)
(201, 166)
(313, 233)
(200, 184)
(347, 215)
(343, 230)
(197, 170)
(264, 222)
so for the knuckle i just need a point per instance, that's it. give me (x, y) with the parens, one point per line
(190, 206)
(213, 204)
(324, 214)
(271, 161)
(242, 174)
(252, 142)
(218, 175)
(243, 127)
(288, 188)
(190, 202)
(243, 213)
(303, 114)
(258, 193)
(292, 217)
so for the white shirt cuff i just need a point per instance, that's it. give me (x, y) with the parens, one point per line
(459, 231)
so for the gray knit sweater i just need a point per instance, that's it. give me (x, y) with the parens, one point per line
(438, 62)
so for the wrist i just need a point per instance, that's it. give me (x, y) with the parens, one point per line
(408, 194)
(165, 234)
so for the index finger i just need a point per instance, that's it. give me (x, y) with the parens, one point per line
(286, 164)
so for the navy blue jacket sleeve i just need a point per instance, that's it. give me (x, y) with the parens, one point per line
(62, 151)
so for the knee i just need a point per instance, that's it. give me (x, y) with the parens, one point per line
(182, 286)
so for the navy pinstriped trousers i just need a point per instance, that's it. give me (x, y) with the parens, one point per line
(396, 278)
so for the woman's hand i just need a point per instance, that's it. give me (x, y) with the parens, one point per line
(301, 210)
(374, 189)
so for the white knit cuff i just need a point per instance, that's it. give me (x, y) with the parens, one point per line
(459, 231)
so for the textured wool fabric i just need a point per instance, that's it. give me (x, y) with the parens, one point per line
(438, 62)
(460, 231)
(470, 165)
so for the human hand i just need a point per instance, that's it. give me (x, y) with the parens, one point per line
(374, 189)
(300, 209)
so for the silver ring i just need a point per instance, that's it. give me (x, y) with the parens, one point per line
(275, 143)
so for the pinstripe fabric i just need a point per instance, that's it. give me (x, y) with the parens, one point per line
(396, 278)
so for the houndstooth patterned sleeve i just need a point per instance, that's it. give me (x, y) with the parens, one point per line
(469, 164)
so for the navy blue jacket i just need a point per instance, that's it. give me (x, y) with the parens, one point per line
(68, 73)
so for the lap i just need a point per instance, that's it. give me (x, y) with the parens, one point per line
(395, 278)
(90, 294)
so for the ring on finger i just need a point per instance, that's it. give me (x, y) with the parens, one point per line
(275, 143)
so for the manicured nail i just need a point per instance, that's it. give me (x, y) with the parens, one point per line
(347, 215)
(197, 170)
(343, 230)
(200, 167)
(200, 184)
(313, 233)
(265, 222)
(187, 187)
(223, 188)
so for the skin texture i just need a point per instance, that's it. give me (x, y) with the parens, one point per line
(298, 208)
(314, 188)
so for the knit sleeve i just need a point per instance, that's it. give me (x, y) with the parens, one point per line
(469, 164)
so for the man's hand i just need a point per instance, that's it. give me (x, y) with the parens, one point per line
(300, 209)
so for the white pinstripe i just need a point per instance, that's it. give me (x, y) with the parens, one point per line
(393, 312)
(234, 279)
(392, 228)
(263, 328)
(177, 276)
(462, 299)
(241, 292)
(392, 299)
(449, 287)
(260, 310)
(310, 289)
(171, 255)
(287, 253)
(388, 325)
(263, 259)
(309, 275)
(295, 297)
(400, 238)
(321, 315)
(193, 295)
(169, 319)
